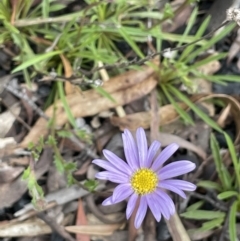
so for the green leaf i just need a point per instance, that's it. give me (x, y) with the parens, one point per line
(91, 184)
(51, 141)
(130, 41)
(45, 8)
(190, 24)
(221, 169)
(203, 215)
(152, 15)
(180, 111)
(208, 60)
(209, 185)
(70, 166)
(26, 173)
(227, 194)
(59, 163)
(56, 7)
(35, 60)
(199, 34)
(233, 154)
(168, 11)
(64, 133)
(215, 223)
(195, 206)
(232, 222)
(212, 41)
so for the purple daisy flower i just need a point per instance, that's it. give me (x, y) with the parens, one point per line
(144, 178)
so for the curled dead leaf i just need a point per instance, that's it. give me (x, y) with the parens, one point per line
(166, 139)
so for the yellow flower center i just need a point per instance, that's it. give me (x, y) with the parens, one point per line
(144, 181)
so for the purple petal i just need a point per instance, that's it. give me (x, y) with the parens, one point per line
(111, 176)
(109, 167)
(172, 188)
(133, 145)
(164, 156)
(117, 162)
(176, 169)
(141, 212)
(156, 211)
(121, 192)
(142, 147)
(131, 205)
(153, 149)
(107, 201)
(180, 184)
(133, 163)
(163, 206)
(169, 205)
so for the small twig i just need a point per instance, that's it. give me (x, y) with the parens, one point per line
(83, 146)
(23, 96)
(55, 226)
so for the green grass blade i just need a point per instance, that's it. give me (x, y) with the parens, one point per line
(215, 223)
(104, 93)
(130, 41)
(208, 60)
(180, 111)
(199, 34)
(209, 185)
(195, 206)
(35, 60)
(221, 170)
(211, 42)
(233, 154)
(232, 222)
(200, 113)
(227, 194)
(190, 24)
(203, 215)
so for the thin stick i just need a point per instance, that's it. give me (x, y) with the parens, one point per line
(55, 226)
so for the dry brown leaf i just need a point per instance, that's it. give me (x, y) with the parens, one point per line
(223, 116)
(168, 114)
(88, 106)
(31, 227)
(81, 220)
(7, 119)
(7, 142)
(8, 173)
(69, 88)
(14, 4)
(102, 230)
